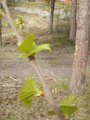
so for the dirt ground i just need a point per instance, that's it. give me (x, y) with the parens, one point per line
(56, 65)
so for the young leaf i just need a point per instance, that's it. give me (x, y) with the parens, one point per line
(19, 23)
(19, 20)
(36, 50)
(40, 48)
(27, 44)
(67, 110)
(27, 91)
(28, 47)
(69, 100)
(67, 107)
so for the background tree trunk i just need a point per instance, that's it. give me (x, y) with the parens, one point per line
(0, 29)
(81, 49)
(52, 6)
(73, 20)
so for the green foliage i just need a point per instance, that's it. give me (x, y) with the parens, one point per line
(1, 13)
(28, 91)
(64, 84)
(67, 110)
(66, 8)
(0, 16)
(11, 116)
(69, 100)
(27, 44)
(67, 106)
(19, 23)
(28, 47)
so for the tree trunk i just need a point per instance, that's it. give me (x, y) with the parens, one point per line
(52, 5)
(81, 49)
(0, 29)
(73, 20)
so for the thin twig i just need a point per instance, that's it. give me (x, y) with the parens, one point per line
(19, 37)
(48, 95)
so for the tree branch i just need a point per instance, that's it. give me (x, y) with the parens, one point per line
(48, 95)
(35, 66)
(19, 37)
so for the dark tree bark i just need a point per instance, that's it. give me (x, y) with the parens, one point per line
(73, 20)
(52, 6)
(81, 49)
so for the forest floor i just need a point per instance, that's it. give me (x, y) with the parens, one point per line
(55, 65)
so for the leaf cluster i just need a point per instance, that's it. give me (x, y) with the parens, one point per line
(28, 47)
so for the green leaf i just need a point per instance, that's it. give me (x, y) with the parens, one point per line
(36, 50)
(19, 23)
(69, 100)
(40, 48)
(66, 106)
(27, 91)
(67, 110)
(27, 44)
(28, 47)
(19, 20)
